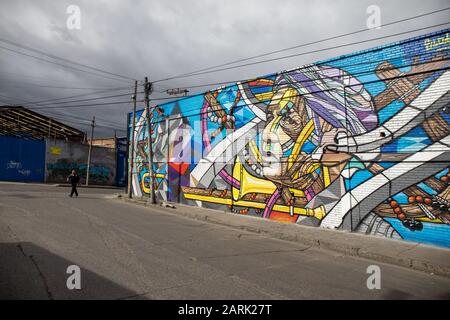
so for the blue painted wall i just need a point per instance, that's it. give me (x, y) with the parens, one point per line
(22, 160)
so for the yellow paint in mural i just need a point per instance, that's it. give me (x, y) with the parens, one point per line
(146, 175)
(252, 184)
(304, 134)
(326, 176)
(144, 187)
(264, 96)
(318, 212)
(441, 42)
(287, 97)
(275, 125)
(426, 219)
(255, 151)
(55, 151)
(313, 167)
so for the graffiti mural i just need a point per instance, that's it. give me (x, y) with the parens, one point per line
(360, 142)
(63, 156)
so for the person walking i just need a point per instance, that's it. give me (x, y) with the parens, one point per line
(73, 179)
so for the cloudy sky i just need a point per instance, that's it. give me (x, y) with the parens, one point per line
(160, 39)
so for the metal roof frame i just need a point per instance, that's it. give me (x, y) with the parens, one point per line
(20, 122)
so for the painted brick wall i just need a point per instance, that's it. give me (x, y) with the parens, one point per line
(359, 142)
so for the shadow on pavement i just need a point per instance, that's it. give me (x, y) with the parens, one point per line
(31, 272)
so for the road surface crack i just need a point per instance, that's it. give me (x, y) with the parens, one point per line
(41, 274)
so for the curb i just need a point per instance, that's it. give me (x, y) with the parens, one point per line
(412, 255)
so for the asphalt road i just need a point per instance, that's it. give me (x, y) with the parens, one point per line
(126, 251)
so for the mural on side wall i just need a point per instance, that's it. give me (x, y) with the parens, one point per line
(61, 157)
(360, 142)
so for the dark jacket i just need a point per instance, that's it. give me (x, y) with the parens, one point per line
(73, 179)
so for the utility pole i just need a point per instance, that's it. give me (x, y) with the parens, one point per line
(90, 150)
(131, 155)
(147, 91)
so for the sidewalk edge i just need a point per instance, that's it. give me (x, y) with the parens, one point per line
(272, 230)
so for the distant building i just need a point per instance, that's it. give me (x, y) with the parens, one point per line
(37, 148)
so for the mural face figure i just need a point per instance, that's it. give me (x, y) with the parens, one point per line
(301, 124)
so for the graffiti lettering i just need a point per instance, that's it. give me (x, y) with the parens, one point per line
(431, 44)
(13, 165)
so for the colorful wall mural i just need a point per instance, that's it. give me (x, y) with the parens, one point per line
(63, 156)
(360, 142)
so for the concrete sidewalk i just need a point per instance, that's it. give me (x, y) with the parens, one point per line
(89, 186)
(407, 254)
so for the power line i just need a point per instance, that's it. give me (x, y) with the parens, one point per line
(73, 116)
(66, 115)
(39, 78)
(88, 122)
(60, 64)
(58, 107)
(83, 105)
(294, 82)
(305, 81)
(63, 59)
(84, 100)
(313, 42)
(231, 82)
(83, 94)
(27, 84)
(299, 54)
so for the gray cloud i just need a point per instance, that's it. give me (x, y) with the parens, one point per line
(163, 38)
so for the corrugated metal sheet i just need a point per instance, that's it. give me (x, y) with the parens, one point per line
(22, 160)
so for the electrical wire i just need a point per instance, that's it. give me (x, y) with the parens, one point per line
(71, 116)
(84, 105)
(35, 77)
(60, 64)
(87, 122)
(231, 82)
(327, 90)
(303, 81)
(63, 59)
(83, 94)
(28, 84)
(84, 100)
(313, 42)
(300, 54)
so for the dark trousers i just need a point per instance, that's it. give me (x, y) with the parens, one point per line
(74, 190)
